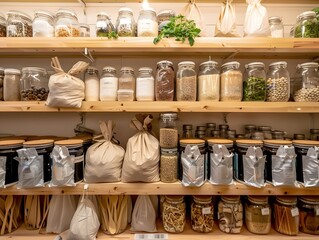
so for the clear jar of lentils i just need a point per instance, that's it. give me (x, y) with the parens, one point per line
(168, 130)
(19, 24)
(186, 82)
(231, 83)
(67, 24)
(169, 165)
(202, 214)
(255, 82)
(164, 81)
(174, 214)
(208, 81)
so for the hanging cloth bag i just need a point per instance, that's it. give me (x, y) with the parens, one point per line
(226, 24)
(192, 12)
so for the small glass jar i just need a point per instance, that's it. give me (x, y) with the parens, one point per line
(186, 82)
(215, 133)
(104, 25)
(223, 128)
(34, 84)
(230, 214)
(255, 82)
(200, 134)
(67, 24)
(202, 214)
(306, 26)
(249, 130)
(126, 90)
(163, 18)
(125, 23)
(258, 214)
(278, 135)
(187, 131)
(108, 84)
(309, 214)
(299, 136)
(84, 30)
(92, 84)
(11, 84)
(169, 165)
(266, 131)
(1, 82)
(168, 130)
(174, 214)
(43, 24)
(278, 82)
(147, 25)
(276, 27)
(314, 134)
(145, 83)
(19, 24)
(164, 81)
(286, 215)
(231, 83)
(209, 128)
(3, 26)
(208, 81)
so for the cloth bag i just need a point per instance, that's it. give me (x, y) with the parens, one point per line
(226, 24)
(104, 159)
(192, 12)
(141, 161)
(66, 90)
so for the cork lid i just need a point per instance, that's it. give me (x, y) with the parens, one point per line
(191, 141)
(287, 200)
(231, 199)
(258, 199)
(305, 143)
(310, 199)
(212, 141)
(84, 138)
(38, 143)
(70, 143)
(202, 198)
(175, 198)
(11, 143)
(277, 142)
(248, 142)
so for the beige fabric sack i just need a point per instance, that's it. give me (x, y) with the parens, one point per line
(226, 24)
(141, 161)
(192, 12)
(104, 159)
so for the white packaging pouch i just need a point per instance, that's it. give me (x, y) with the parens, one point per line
(310, 167)
(226, 24)
(192, 12)
(3, 161)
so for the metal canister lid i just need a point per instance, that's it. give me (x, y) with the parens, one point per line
(174, 198)
(235, 64)
(11, 143)
(201, 128)
(123, 69)
(109, 69)
(165, 62)
(264, 128)
(211, 125)
(283, 63)
(276, 143)
(38, 143)
(145, 69)
(187, 127)
(168, 150)
(168, 116)
(223, 126)
(274, 19)
(250, 127)
(287, 200)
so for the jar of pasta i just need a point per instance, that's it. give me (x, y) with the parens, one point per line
(186, 82)
(231, 83)
(208, 81)
(202, 214)
(174, 214)
(309, 214)
(67, 24)
(125, 23)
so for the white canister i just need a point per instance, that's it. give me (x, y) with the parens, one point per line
(92, 84)
(145, 85)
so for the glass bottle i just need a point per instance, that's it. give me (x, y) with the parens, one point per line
(208, 81)
(125, 23)
(92, 84)
(168, 130)
(306, 26)
(186, 82)
(19, 24)
(11, 84)
(231, 83)
(309, 214)
(108, 84)
(202, 214)
(174, 206)
(43, 24)
(164, 81)
(126, 90)
(255, 82)
(147, 25)
(3, 25)
(103, 25)
(169, 165)
(1, 82)
(276, 27)
(145, 85)
(67, 24)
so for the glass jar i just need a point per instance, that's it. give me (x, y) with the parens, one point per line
(126, 90)
(306, 26)
(209, 128)
(277, 135)
(109, 84)
(1, 82)
(84, 30)
(299, 136)
(276, 27)
(11, 84)
(186, 83)
(278, 82)
(306, 85)
(168, 130)
(200, 134)
(164, 81)
(255, 82)
(309, 214)
(169, 165)
(286, 215)
(43, 24)
(104, 25)
(145, 85)
(147, 25)
(223, 128)
(34, 84)
(125, 23)
(230, 214)
(208, 81)
(187, 131)
(258, 214)
(3, 26)
(19, 24)
(92, 84)
(231, 83)
(216, 133)
(266, 130)
(314, 134)
(250, 129)
(202, 214)
(67, 24)
(174, 214)
(163, 18)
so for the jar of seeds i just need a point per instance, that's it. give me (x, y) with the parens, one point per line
(202, 214)
(1, 82)
(255, 82)
(11, 84)
(19, 24)
(174, 214)
(186, 82)
(43, 24)
(309, 214)
(208, 81)
(3, 26)
(147, 25)
(169, 165)
(164, 81)
(67, 24)
(103, 25)
(125, 23)
(231, 83)
(168, 130)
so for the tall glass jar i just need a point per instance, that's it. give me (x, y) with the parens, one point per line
(108, 84)
(231, 83)
(202, 214)
(164, 81)
(1, 82)
(309, 214)
(125, 23)
(278, 82)
(186, 83)
(19, 24)
(169, 165)
(276, 27)
(208, 81)
(92, 84)
(147, 25)
(126, 90)
(174, 214)
(306, 26)
(168, 130)
(255, 82)
(11, 84)
(66, 24)
(103, 25)
(145, 85)
(3, 26)
(43, 24)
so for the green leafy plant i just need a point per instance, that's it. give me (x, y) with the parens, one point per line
(180, 28)
(113, 35)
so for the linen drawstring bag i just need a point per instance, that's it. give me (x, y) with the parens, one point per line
(192, 12)
(226, 24)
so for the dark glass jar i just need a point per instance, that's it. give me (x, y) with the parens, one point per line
(202, 214)
(314, 134)
(309, 214)
(164, 81)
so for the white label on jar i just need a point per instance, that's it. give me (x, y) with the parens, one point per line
(294, 212)
(147, 28)
(206, 210)
(145, 89)
(108, 88)
(265, 211)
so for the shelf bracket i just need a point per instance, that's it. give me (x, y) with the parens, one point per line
(88, 55)
(232, 55)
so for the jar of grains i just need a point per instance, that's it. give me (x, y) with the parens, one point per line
(3, 26)
(103, 25)
(202, 214)
(286, 215)
(309, 214)
(19, 24)
(168, 130)
(108, 84)
(258, 214)
(306, 26)
(126, 90)
(147, 25)
(92, 84)
(187, 131)
(278, 82)
(43, 24)
(169, 165)
(163, 18)
(231, 88)
(84, 30)
(255, 82)
(306, 85)
(125, 23)
(145, 85)
(164, 81)
(1, 82)
(276, 27)
(67, 24)
(174, 214)
(186, 83)
(34, 84)
(208, 81)
(11, 84)
(230, 214)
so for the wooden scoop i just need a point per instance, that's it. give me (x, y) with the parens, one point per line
(8, 204)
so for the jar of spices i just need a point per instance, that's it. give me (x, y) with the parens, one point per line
(104, 25)
(231, 83)
(314, 134)
(208, 81)
(11, 84)
(34, 84)
(276, 27)
(145, 85)
(147, 25)
(278, 135)
(202, 214)
(169, 165)
(299, 136)
(258, 214)
(230, 214)
(309, 214)
(187, 131)
(125, 23)
(223, 128)
(92, 84)
(163, 18)
(186, 82)
(255, 82)
(164, 81)
(108, 84)
(286, 215)
(43, 24)
(67, 24)
(278, 82)
(209, 128)
(306, 26)
(3, 26)
(84, 30)
(19, 24)
(266, 131)
(168, 130)
(126, 90)
(174, 214)
(1, 82)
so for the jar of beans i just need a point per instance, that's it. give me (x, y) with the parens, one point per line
(186, 82)
(19, 24)
(255, 82)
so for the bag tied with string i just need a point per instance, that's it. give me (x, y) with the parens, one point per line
(104, 158)
(226, 24)
(192, 12)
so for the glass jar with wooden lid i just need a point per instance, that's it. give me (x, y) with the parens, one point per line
(174, 214)
(309, 214)
(202, 214)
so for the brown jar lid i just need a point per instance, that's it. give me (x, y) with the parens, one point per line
(258, 199)
(192, 141)
(310, 199)
(287, 200)
(38, 143)
(212, 141)
(249, 142)
(85, 138)
(277, 142)
(231, 199)
(202, 198)
(175, 198)
(69, 142)
(11, 143)
(307, 143)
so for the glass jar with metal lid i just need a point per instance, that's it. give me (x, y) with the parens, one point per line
(254, 82)
(163, 18)
(223, 128)
(43, 24)
(1, 82)
(67, 24)
(104, 25)
(84, 30)
(164, 81)
(187, 131)
(278, 82)
(276, 27)
(314, 134)
(299, 136)
(174, 214)
(250, 129)
(92, 84)
(231, 82)
(145, 83)
(186, 82)
(3, 25)
(258, 214)
(126, 90)
(286, 215)
(19, 24)
(125, 23)
(168, 130)
(209, 128)
(278, 135)
(309, 214)
(34, 84)
(147, 25)
(169, 165)
(11, 84)
(108, 84)
(306, 26)
(208, 81)
(202, 214)
(266, 130)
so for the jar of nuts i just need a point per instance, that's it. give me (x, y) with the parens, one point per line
(202, 214)
(174, 214)
(67, 24)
